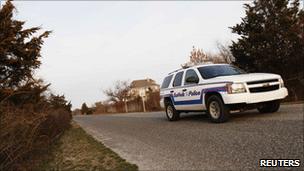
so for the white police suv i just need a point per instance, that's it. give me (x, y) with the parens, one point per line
(219, 89)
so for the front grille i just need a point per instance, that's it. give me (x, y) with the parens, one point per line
(263, 89)
(262, 81)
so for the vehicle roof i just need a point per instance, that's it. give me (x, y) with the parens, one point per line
(194, 66)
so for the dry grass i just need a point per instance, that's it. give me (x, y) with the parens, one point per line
(76, 150)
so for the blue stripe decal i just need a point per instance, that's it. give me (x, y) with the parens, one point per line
(188, 102)
(197, 101)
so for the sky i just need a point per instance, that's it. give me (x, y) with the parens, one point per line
(95, 43)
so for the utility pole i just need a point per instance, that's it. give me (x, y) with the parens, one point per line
(126, 105)
(143, 100)
(142, 94)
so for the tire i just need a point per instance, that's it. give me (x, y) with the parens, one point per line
(217, 111)
(269, 107)
(171, 113)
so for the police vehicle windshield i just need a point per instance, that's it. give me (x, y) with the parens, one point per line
(219, 70)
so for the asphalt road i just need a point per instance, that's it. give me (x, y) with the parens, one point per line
(193, 143)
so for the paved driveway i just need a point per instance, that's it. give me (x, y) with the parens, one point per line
(193, 143)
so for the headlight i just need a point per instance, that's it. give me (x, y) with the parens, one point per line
(281, 82)
(236, 88)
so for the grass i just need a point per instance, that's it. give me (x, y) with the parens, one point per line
(76, 150)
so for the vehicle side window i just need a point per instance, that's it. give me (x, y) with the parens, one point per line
(178, 79)
(191, 77)
(167, 81)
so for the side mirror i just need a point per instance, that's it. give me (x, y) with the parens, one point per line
(192, 80)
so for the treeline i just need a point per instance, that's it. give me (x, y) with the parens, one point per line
(31, 117)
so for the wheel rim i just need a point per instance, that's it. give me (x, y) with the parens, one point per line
(170, 111)
(214, 110)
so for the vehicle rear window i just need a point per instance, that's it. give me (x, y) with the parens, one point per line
(219, 70)
(166, 81)
(178, 79)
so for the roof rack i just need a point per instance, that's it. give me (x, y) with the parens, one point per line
(185, 66)
(175, 71)
(190, 64)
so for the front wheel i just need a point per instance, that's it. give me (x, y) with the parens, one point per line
(217, 110)
(171, 112)
(269, 107)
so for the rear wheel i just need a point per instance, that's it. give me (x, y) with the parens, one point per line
(269, 107)
(217, 110)
(171, 112)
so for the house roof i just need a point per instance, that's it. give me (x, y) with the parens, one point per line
(143, 83)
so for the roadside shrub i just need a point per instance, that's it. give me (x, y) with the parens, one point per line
(26, 133)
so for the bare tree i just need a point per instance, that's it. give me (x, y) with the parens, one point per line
(197, 56)
(119, 92)
(224, 52)
(216, 58)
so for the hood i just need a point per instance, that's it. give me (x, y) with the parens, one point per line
(245, 77)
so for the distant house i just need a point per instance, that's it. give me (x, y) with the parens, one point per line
(140, 87)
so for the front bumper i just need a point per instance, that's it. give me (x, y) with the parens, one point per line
(250, 98)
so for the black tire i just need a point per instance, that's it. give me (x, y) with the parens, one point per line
(174, 115)
(222, 113)
(269, 107)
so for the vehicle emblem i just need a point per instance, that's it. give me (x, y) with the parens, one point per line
(266, 85)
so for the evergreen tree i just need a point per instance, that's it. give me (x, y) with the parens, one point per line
(59, 101)
(19, 51)
(271, 38)
(84, 109)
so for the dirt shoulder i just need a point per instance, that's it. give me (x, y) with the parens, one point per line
(76, 150)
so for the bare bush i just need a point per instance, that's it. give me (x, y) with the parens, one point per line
(27, 132)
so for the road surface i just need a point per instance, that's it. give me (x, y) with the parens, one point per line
(193, 143)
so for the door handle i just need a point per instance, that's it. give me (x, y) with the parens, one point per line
(171, 91)
(184, 89)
